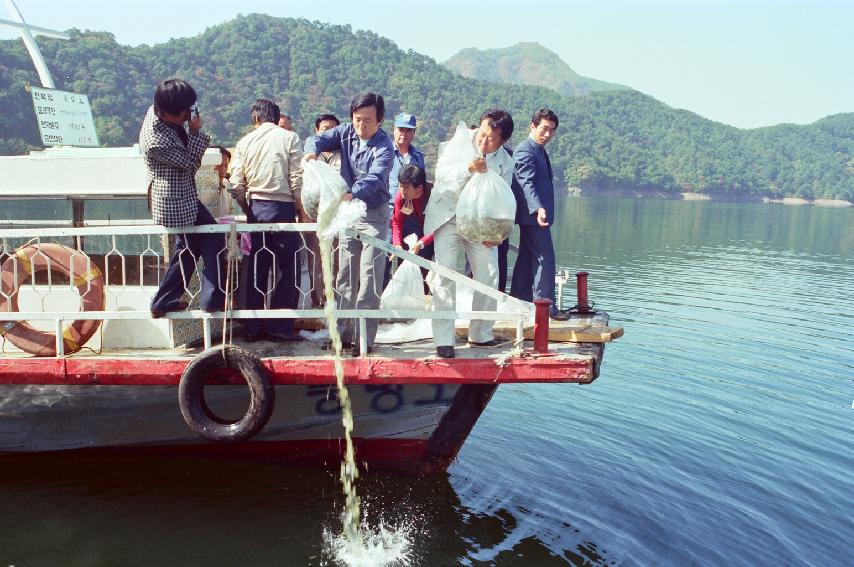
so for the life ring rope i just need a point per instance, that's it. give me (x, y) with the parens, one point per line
(90, 275)
(25, 261)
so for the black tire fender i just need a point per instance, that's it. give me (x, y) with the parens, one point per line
(201, 419)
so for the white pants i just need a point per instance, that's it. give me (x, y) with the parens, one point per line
(484, 266)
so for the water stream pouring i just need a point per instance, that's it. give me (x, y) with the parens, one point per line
(357, 545)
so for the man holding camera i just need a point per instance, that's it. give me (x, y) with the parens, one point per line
(172, 157)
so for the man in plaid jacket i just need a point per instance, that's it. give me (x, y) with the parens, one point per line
(173, 157)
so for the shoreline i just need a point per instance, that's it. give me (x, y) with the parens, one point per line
(691, 196)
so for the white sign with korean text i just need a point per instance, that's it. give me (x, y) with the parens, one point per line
(64, 118)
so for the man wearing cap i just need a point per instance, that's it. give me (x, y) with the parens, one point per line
(404, 152)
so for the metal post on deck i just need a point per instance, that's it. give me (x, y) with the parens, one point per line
(581, 304)
(60, 340)
(206, 326)
(363, 337)
(541, 324)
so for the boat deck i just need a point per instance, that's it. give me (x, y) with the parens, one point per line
(305, 362)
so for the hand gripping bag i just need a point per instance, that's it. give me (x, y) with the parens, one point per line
(486, 209)
(322, 189)
(406, 288)
(455, 155)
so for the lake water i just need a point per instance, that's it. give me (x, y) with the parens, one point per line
(720, 431)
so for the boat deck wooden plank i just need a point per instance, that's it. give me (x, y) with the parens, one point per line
(559, 331)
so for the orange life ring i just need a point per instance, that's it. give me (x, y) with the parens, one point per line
(31, 259)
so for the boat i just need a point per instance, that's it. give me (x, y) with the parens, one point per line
(119, 392)
(85, 370)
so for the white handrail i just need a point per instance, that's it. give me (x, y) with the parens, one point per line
(253, 314)
(522, 306)
(520, 311)
(131, 230)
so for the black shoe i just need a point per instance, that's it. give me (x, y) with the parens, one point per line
(286, 336)
(356, 352)
(179, 306)
(445, 352)
(559, 316)
(489, 343)
(253, 337)
(328, 346)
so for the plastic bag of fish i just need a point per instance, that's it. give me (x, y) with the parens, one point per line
(486, 209)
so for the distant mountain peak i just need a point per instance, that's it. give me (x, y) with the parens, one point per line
(526, 63)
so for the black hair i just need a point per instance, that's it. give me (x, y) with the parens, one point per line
(265, 110)
(500, 119)
(544, 113)
(413, 175)
(223, 151)
(321, 117)
(364, 100)
(173, 96)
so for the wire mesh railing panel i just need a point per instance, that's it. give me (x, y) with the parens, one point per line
(132, 261)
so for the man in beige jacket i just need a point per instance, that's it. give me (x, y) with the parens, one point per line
(266, 166)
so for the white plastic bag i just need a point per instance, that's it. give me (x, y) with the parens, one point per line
(455, 155)
(486, 209)
(322, 189)
(317, 177)
(406, 288)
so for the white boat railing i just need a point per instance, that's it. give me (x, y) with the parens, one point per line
(10, 239)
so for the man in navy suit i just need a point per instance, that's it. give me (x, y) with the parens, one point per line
(534, 274)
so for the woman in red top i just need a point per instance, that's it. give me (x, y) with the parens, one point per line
(408, 215)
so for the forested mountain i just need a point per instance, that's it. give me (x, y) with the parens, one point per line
(606, 140)
(525, 64)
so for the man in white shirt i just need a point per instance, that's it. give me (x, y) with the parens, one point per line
(496, 127)
(266, 166)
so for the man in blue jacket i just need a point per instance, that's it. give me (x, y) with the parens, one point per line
(534, 273)
(367, 154)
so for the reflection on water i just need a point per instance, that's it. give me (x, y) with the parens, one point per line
(719, 432)
(128, 511)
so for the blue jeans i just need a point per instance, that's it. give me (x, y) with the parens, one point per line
(534, 273)
(277, 252)
(188, 248)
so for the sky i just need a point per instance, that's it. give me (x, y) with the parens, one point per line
(746, 63)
